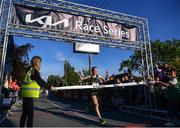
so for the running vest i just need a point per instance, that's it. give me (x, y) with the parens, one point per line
(94, 80)
(30, 88)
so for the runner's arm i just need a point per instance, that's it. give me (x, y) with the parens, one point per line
(36, 76)
(84, 78)
(162, 83)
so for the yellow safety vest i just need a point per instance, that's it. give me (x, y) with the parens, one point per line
(30, 88)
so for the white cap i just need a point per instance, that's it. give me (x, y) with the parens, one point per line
(173, 81)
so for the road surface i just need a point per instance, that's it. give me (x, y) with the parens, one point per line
(53, 112)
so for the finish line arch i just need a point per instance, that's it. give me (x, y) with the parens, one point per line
(66, 21)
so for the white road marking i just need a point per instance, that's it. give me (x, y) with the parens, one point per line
(75, 113)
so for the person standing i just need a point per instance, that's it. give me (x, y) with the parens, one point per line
(173, 89)
(30, 90)
(95, 79)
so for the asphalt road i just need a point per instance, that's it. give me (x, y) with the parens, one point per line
(54, 112)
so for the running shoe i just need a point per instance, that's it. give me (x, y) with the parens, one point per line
(102, 122)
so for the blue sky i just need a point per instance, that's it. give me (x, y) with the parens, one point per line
(164, 24)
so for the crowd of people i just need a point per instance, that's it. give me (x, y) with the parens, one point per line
(165, 79)
(132, 95)
(162, 73)
(165, 82)
(113, 79)
(168, 94)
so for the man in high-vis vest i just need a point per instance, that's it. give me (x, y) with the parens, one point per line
(30, 90)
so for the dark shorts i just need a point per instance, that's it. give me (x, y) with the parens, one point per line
(94, 92)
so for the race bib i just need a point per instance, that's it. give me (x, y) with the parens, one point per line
(95, 85)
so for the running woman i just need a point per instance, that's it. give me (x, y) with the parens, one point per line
(95, 79)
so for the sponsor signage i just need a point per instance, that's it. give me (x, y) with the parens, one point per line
(72, 23)
(86, 48)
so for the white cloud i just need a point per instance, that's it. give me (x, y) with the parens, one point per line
(56, 66)
(60, 56)
(52, 69)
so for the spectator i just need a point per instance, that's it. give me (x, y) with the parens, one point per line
(174, 98)
(123, 79)
(112, 79)
(14, 85)
(107, 75)
(126, 79)
(159, 72)
(117, 81)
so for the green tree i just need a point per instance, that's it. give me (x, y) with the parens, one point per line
(55, 80)
(21, 60)
(134, 63)
(71, 77)
(165, 52)
(177, 65)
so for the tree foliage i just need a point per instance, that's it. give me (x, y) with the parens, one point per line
(71, 77)
(166, 52)
(21, 60)
(163, 52)
(134, 63)
(55, 80)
